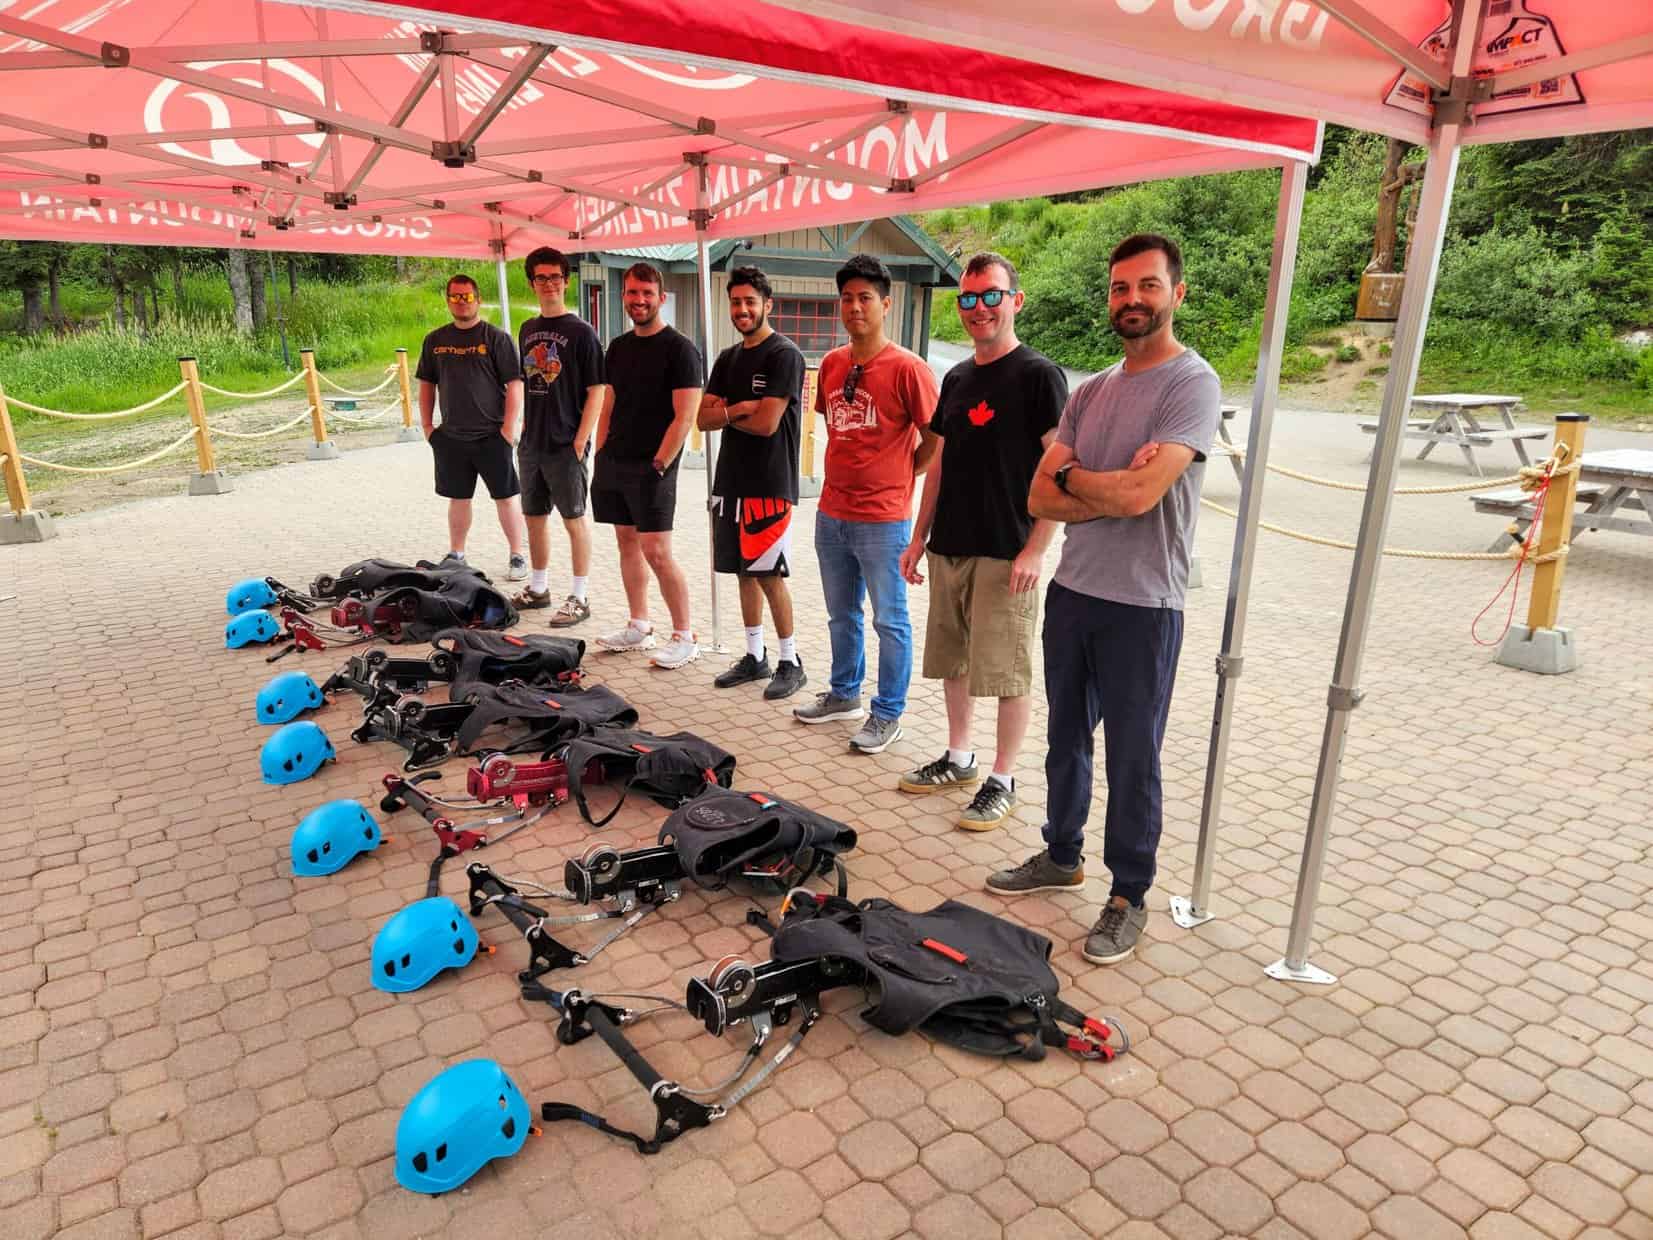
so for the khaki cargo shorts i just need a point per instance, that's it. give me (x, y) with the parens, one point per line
(977, 628)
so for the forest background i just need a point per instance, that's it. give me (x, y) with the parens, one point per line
(1546, 287)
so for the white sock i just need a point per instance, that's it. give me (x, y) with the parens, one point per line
(754, 641)
(682, 635)
(537, 580)
(1007, 782)
(577, 587)
(961, 757)
(789, 650)
(642, 626)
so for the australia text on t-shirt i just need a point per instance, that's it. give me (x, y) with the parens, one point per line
(561, 361)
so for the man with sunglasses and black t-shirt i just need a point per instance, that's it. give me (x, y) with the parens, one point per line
(998, 413)
(877, 399)
(472, 365)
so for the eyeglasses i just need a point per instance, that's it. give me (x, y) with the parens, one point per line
(850, 380)
(992, 297)
(555, 278)
(462, 298)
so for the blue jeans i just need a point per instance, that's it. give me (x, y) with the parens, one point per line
(859, 558)
(1112, 664)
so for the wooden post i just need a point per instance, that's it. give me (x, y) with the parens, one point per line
(321, 450)
(197, 414)
(695, 443)
(1544, 604)
(409, 432)
(11, 465)
(808, 483)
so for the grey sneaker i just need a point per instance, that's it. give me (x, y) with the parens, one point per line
(573, 611)
(942, 773)
(1113, 937)
(876, 735)
(530, 600)
(1037, 873)
(517, 569)
(825, 708)
(988, 808)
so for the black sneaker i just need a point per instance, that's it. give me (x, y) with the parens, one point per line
(788, 679)
(1114, 936)
(744, 671)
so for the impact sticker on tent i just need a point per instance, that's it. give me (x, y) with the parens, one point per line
(1512, 37)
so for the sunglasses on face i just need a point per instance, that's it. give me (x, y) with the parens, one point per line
(851, 380)
(463, 299)
(992, 297)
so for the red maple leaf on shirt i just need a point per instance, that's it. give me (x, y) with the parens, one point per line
(981, 415)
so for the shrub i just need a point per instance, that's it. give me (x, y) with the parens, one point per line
(1349, 353)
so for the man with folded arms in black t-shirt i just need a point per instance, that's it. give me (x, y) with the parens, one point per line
(753, 396)
(998, 411)
(473, 366)
(655, 375)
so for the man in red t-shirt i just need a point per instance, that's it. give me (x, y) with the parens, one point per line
(878, 399)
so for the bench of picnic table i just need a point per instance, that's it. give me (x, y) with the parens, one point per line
(1514, 502)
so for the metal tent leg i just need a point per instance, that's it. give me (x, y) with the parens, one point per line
(703, 272)
(1435, 199)
(1195, 909)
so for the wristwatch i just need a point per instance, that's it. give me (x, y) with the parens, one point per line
(1061, 477)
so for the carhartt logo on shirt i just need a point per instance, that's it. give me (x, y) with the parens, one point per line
(981, 415)
(461, 350)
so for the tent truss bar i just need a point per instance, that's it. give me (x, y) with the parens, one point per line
(1594, 58)
(404, 109)
(985, 147)
(1357, 15)
(620, 208)
(574, 141)
(533, 56)
(780, 173)
(802, 158)
(599, 94)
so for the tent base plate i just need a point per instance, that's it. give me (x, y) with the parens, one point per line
(28, 526)
(410, 434)
(1196, 578)
(1281, 971)
(215, 483)
(692, 459)
(809, 488)
(326, 450)
(1185, 915)
(1549, 652)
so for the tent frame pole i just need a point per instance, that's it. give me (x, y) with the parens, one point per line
(1195, 909)
(504, 288)
(703, 274)
(1344, 694)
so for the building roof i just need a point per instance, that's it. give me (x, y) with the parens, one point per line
(719, 251)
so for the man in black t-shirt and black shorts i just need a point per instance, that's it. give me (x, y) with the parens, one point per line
(655, 375)
(753, 394)
(473, 366)
(998, 411)
(562, 371)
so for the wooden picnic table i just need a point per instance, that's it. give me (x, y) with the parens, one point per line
(1613, 486)
(1452, 419)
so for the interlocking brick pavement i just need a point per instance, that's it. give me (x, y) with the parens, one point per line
(189, 1045)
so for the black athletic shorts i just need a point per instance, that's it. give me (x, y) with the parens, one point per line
(555, 481)
(751, 537)
(459, 462)
(631, 493)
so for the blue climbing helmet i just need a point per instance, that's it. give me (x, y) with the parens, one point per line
(295, 752)
(248, 594)
(250, 627)
(286, 697)
(329, 837)
(461, 1118)
(416, 944)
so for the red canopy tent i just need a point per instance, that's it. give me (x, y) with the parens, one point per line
(474, 129)
(1437, 73)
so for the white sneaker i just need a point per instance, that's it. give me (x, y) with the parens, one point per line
(629, 638)
(677, 652)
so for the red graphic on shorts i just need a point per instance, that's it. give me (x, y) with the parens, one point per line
(981, 415)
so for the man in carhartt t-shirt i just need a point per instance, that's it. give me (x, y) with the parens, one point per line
(878, 399)
(998, 413)
(562, 365)
(655, 376)
(1125, 474)
(753, 395)
(473, 365)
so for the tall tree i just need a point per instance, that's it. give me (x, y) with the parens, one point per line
(240, 289)
(259, 269)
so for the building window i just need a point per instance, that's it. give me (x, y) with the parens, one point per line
(811, 322)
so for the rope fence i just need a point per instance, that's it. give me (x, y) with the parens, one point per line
(1480, 484)
(208, 479)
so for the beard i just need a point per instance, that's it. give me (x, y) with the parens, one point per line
(756, 326)
(1146, 327)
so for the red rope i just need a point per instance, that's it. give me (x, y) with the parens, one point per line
(1515, 574)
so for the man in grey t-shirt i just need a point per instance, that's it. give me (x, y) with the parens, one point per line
(1124, 472)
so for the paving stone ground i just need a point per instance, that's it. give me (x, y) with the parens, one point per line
(189, 1044)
